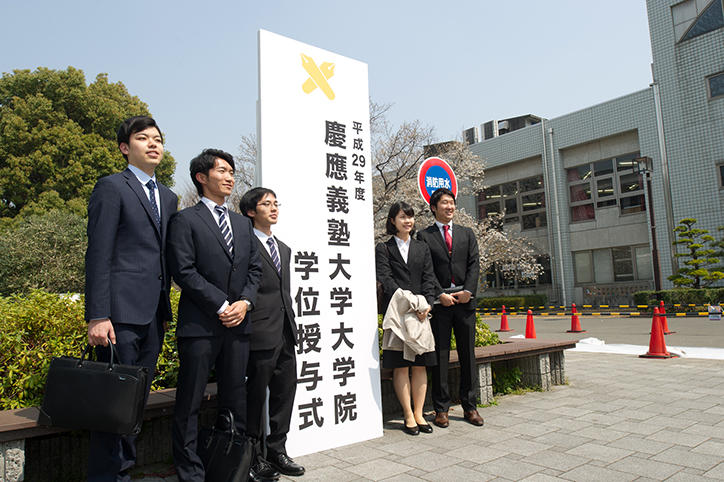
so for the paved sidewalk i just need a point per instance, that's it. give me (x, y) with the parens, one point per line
(620, 418)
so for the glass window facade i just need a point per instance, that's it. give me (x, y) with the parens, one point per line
(710, 19)
(609, 265)
(522, 202)
(716, 85)
(605, 183)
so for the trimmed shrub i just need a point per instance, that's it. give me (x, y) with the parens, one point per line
(38, 326)
(511, 302)
(498, 301)
(45, 251)
(484, 336)
(682, 296)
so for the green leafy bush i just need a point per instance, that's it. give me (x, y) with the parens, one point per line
(512, 302)
(43, 251)
(38, 326)
(682, 296)
(484, 336)
(498, 301)
(506, 381)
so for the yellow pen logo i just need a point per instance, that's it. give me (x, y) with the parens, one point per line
(317, 76)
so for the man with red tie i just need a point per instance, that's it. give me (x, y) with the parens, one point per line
(456, 263)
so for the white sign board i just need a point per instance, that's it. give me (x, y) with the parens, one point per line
(314, 143)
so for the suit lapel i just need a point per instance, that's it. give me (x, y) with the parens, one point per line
(457, 238)
(166, 203)
(136, 187)
(203, 212)
(283, 257)
(265, 255)
(414, 255)
(436, 234)
(395, 251)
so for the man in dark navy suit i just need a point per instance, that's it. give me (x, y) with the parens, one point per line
(456, 263)
(272, 362)
(127, 283)
(214, 258)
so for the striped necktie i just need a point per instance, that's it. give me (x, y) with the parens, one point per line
(225, 229)
(274, 254)
(152, 199)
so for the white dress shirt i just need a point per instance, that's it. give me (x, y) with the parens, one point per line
(263, 238)
(143, 178)
(404, 247)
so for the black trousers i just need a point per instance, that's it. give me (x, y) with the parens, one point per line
(229, 354)
(461, 321)
(275, 369)
(110, 456)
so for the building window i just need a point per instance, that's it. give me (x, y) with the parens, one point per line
(716, 85)
(523, 202)
(603, 184)
(494, 277)
(720, 168)
(710, 19)
(609, 265)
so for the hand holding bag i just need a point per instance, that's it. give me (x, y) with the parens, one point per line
(90, 395)
(225, 453)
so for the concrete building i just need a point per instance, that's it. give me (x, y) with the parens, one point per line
(575, 185)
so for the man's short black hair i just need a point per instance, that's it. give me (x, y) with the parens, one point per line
(437, 195)
(206, 161)
(132, 125)
(252, 197)
(394, 211)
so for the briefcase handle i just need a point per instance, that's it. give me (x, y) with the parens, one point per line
(88, 349)
(231, 429)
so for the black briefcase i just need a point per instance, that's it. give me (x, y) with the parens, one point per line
(225, 453)
(83, 394)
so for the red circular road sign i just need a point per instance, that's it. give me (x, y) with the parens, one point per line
(433, 174)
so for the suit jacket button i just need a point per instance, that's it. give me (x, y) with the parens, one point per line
(233, 268)
(160, 277)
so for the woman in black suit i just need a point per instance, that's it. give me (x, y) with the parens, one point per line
(404, 262)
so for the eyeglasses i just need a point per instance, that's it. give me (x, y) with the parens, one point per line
(267, 204)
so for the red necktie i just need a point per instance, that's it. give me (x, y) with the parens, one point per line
(448, 238)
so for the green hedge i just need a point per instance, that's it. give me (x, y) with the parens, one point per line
(682, 296)
(511, 302)
(38, 326)
(484, 336)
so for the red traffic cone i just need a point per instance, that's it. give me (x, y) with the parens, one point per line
(657, 345)
(504, 321)
(529, 326)
(662, 314)
(575, 321)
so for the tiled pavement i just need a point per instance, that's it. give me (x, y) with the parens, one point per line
(620, 418)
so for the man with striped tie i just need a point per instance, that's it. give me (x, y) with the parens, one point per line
(214, 258)
(272, 362)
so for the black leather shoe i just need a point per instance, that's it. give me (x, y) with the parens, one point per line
(424, 428)
(263, 472)
(410, 430)
(284, 464)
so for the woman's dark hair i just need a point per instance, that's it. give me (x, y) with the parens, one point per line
(394, 211)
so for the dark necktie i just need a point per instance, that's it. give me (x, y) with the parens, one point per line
(274, 254)
(225, 229)
(152, 199)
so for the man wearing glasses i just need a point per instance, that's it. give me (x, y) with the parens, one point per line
(272, 362)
